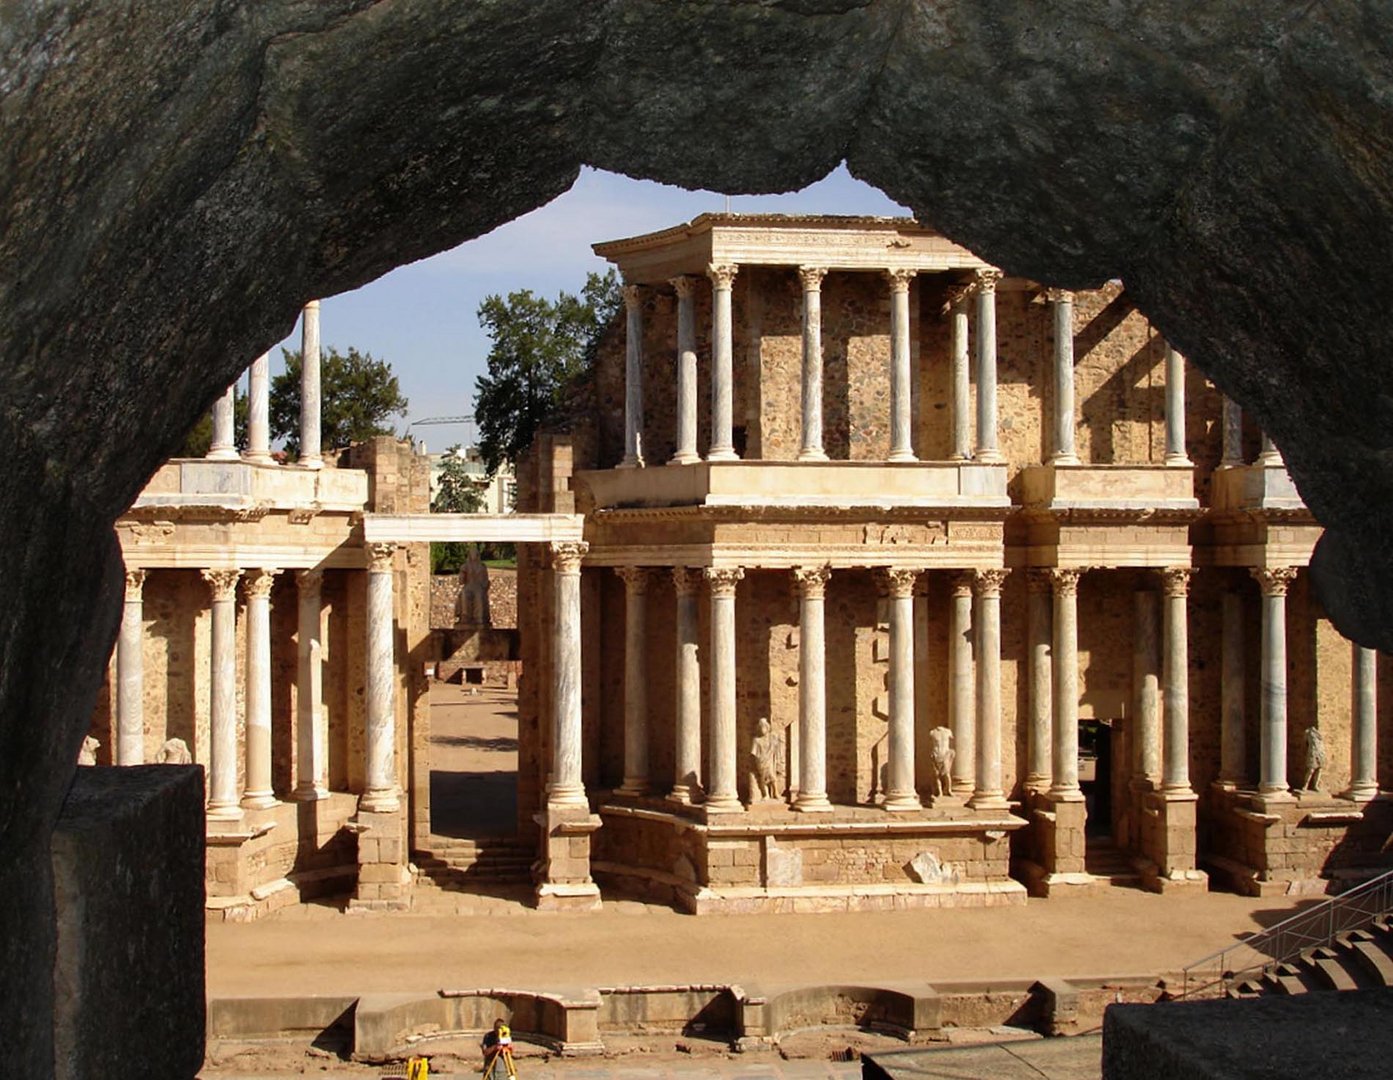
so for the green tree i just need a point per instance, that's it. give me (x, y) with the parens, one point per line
(458, 494)
(358, 393)
(542, 350)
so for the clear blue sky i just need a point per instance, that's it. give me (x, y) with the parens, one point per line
(421, 318)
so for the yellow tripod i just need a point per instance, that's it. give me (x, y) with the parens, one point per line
(504, 1051)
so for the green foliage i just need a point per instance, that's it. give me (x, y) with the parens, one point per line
(200, 436)
(542, 350)
(458, 493)
(358, 393)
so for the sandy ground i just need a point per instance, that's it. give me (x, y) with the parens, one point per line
(474, 761)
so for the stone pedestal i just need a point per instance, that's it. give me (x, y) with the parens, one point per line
(384, 883)
(563, 870)
(1168, 842)
(1058, 842)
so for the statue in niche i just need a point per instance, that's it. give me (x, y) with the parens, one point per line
(1315, 758)
(174, 752)
(766, 762)
(941, 753)
(88, 754)
(472, 605)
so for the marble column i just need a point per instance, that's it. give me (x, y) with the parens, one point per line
(987, 793)
(636, 675)
(223, 446)
(381, 792)
(633, 378)
(567, 787)
(987, 449)
(311, 731)
(1363, 745)
(723, 793)
(258, 794)
(1233, 750)
(259, 410)
(1269, 456)
(900, 790)
(962, 684)
(901, 376)
(722, 447)
(1231, 431)
(1146, 687)
(130, 674)
(1065, 783)
(686, 452)
(1175, 409)
(1175, 667)
(222, 709)
(1062, 305)
(686, 785)
(311, 456)
(811, 279)
(811, 585)
(1274, 582)
(960, 377)
(1039, 657)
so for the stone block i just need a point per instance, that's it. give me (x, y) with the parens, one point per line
(128, 867)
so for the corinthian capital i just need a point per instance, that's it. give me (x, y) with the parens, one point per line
(987, 280)
(1059, 296)
(898, 582)
(135, 585)
(633, 295)
(259, 582)
(223, 582)
(722, 275)
(1065, 581)
(1175, 580)
(723, 579)
(988, 582)
(811, 277)
(811, 581)
(1274, 580)
(566, 556)
(685, 580)
(635, 578)
(685, 286)
(899, 278)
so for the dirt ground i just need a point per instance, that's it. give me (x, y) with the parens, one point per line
(474, 760)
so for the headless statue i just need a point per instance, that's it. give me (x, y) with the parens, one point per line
(941, 753)
(1315, 759)
(766, 762)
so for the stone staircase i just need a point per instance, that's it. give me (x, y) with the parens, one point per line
(1355, 960)
(453, 863)
(1108, 864)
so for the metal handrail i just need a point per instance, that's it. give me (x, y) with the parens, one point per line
(1315, 927)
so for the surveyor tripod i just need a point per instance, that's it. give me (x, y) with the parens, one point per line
(505, 1052)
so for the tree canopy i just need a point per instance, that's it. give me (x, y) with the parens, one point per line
(541, 350)
(358, 392)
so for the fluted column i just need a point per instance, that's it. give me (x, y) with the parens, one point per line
(722, 446)
(962, 684)
(960, 377)
(686, 452)
(901, 378)
(1146, 667)
(1175, 409)
(1039, 658)
(686, 785)
(311, 731)
(987, 449)
(811, 585)
(1065, 783)
(567, 787)
(222, 710)
(1363, 744)
(722, 792)
(633, 378)
(259, 410)
(1175, 664)
(1231, 419)
(1062, 304)
(381, 794)
(811, 278)
(130, 674)
(223, 446)
(258, 793)
(311, 456)
(1233, 749)
(636, 676)
(900, 791)
(987, 794)
(1274, 582)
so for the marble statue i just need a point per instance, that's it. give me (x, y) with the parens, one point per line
(88, 754)
(472, 604)
(766, 762)
(1315, 759)
(174, 752)
(941, 753)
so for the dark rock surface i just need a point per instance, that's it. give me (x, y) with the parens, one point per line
(179, 176)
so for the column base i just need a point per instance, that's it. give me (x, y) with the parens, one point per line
(810, 803)
(223, 453)
(632, 789)
(314, 794)
(259, 800)
(685, 457)
(231, 812)
(722, 453)
(630, 463)
(1179, 461)
(988, 800)
(258, 457)
(1275, 795)
(310, 463)
(812, 455)
(380, 802)
(989, 457)
(901, 455)
(724, 804)
(566, 798)
(684, 795)
(1362, 794)
(1064, 459)
(901, 801)
(582, 897)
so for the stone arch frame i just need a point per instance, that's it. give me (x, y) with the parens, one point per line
(180, 177)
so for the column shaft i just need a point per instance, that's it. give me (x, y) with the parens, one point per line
(635, 580)
(723, 794)
(1274, 582)
(130, 674)
(1232, 432)
(1233, 749)
(901, 391)
(222, 711)
(567, 786)
(1146, 667)
(812, 688)
(381, 794)
(633, 378)
(962, 380)
(686, 787)
(311, 456)
(722, 446)
(686, 452)
(258, 794)
(1066, 684)
(1176, 674)
(1040, 657)
(1175, 408)
(223, 446)
(811, 278)
(1363, 769)
(1062, 302)
(259, 410)
(311, 734)
(987, 794)
(900, 790)
(962, 684)
(1269, 456)
(987, 449)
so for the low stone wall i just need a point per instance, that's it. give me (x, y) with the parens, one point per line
(503, 599)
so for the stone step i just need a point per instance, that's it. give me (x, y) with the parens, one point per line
(1376, 963)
